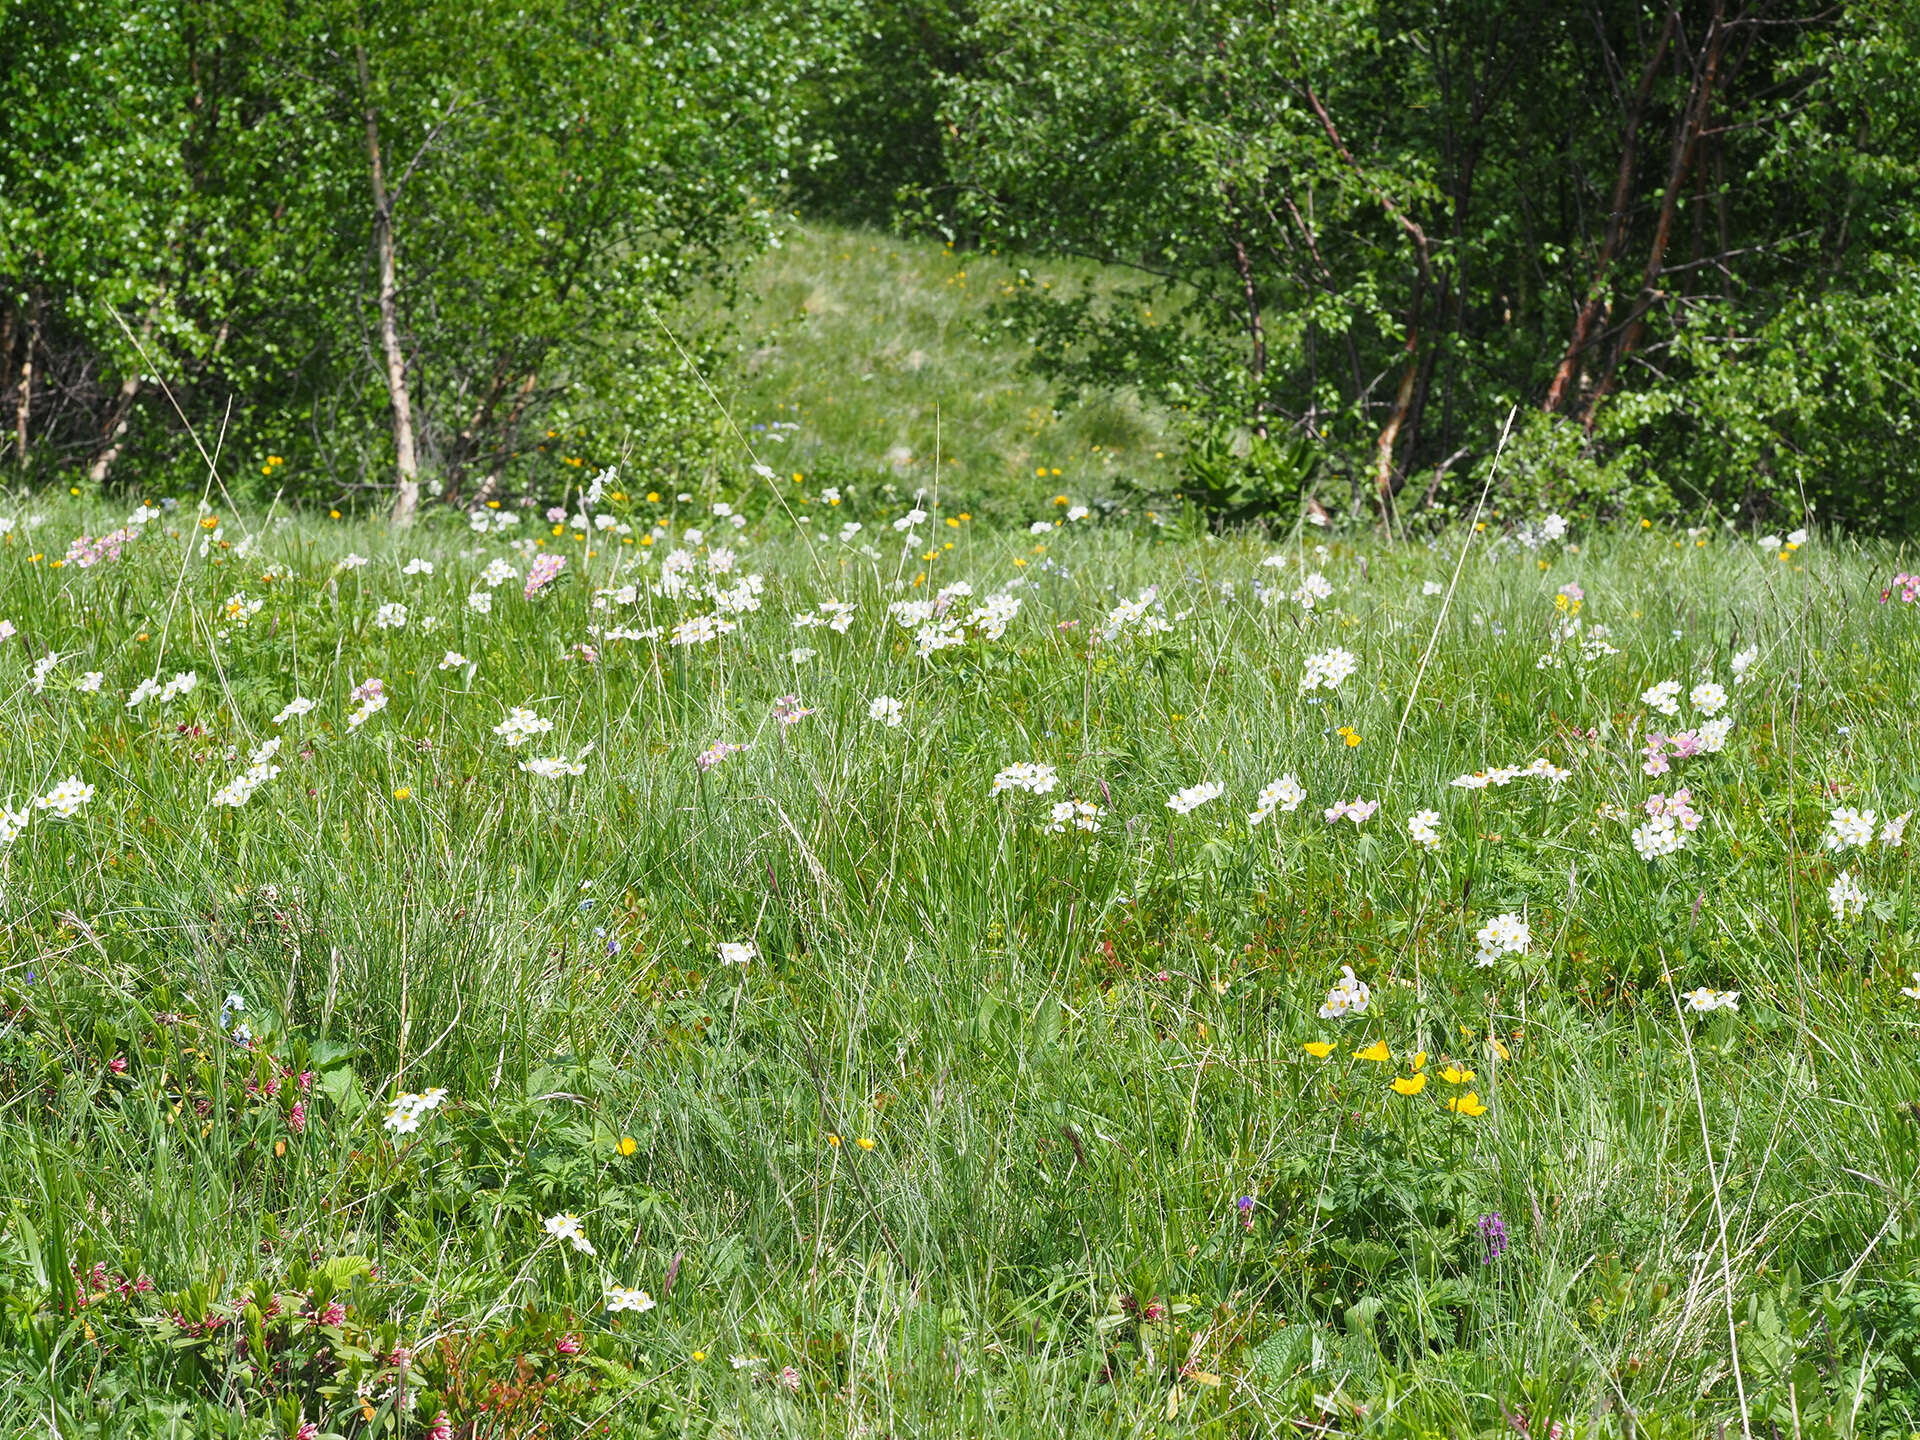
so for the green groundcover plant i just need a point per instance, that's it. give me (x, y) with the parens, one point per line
(777, 960)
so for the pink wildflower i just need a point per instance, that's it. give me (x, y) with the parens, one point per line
(1656, 752)
(542, 573)
(715, 753)
(789, 711)
(87, 551)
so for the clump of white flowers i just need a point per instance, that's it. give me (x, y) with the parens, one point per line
(1327, 670)
(1313, 588)
(1503, 775)
(1848, 827)
(1423, 828)
(1349, 996)
(150, 689)
(1664, 697)
(569, 1229)
(1846, 898)
(1027, 775)
(1283, 794)
(553, 767)
(1706, 1000)
(1670, 819)
(520, 726)
(1185, 802)
(260, 769)
(1502, 935)
(1708, 698)
(1080, 814)
(408, 1110)
(66, 799)
(1140, 616)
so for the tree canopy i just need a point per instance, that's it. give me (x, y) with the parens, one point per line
(1682, 232)
(201, 200)
(436, 244)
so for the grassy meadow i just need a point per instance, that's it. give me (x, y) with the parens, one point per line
(873, 354)
(766, 978)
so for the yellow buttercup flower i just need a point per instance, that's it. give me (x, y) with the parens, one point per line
(1468, 1104)
(1454, 1075)
(1377, 1052)
(1318, 1049)
(1409, 1084)
(865, 1142)
(1419, 1061)
(627, 1145)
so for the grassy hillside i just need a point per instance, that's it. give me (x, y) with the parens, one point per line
(865, 341)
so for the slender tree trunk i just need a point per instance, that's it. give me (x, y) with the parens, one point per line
(1402, 400)
(6, 348)
(1615, 233)
(113, 433)
(1256, 332)
(1685, 151)
(113, 437)
(406, 494)
(23, 408)
(507, 427)
(1423, 260)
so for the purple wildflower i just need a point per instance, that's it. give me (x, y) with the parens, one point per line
(1493, 1237)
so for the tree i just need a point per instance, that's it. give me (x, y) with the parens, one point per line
(1382, 225)
(398, 243)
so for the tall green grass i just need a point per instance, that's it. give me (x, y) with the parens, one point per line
(1073, 1055)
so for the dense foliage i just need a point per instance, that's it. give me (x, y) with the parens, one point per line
(1680, 236)
(447, 246)
(199, 203)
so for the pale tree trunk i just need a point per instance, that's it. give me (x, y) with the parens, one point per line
(116, 431)
(406, 495)
(24, 409)
(1383, 476)
(113, 435)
